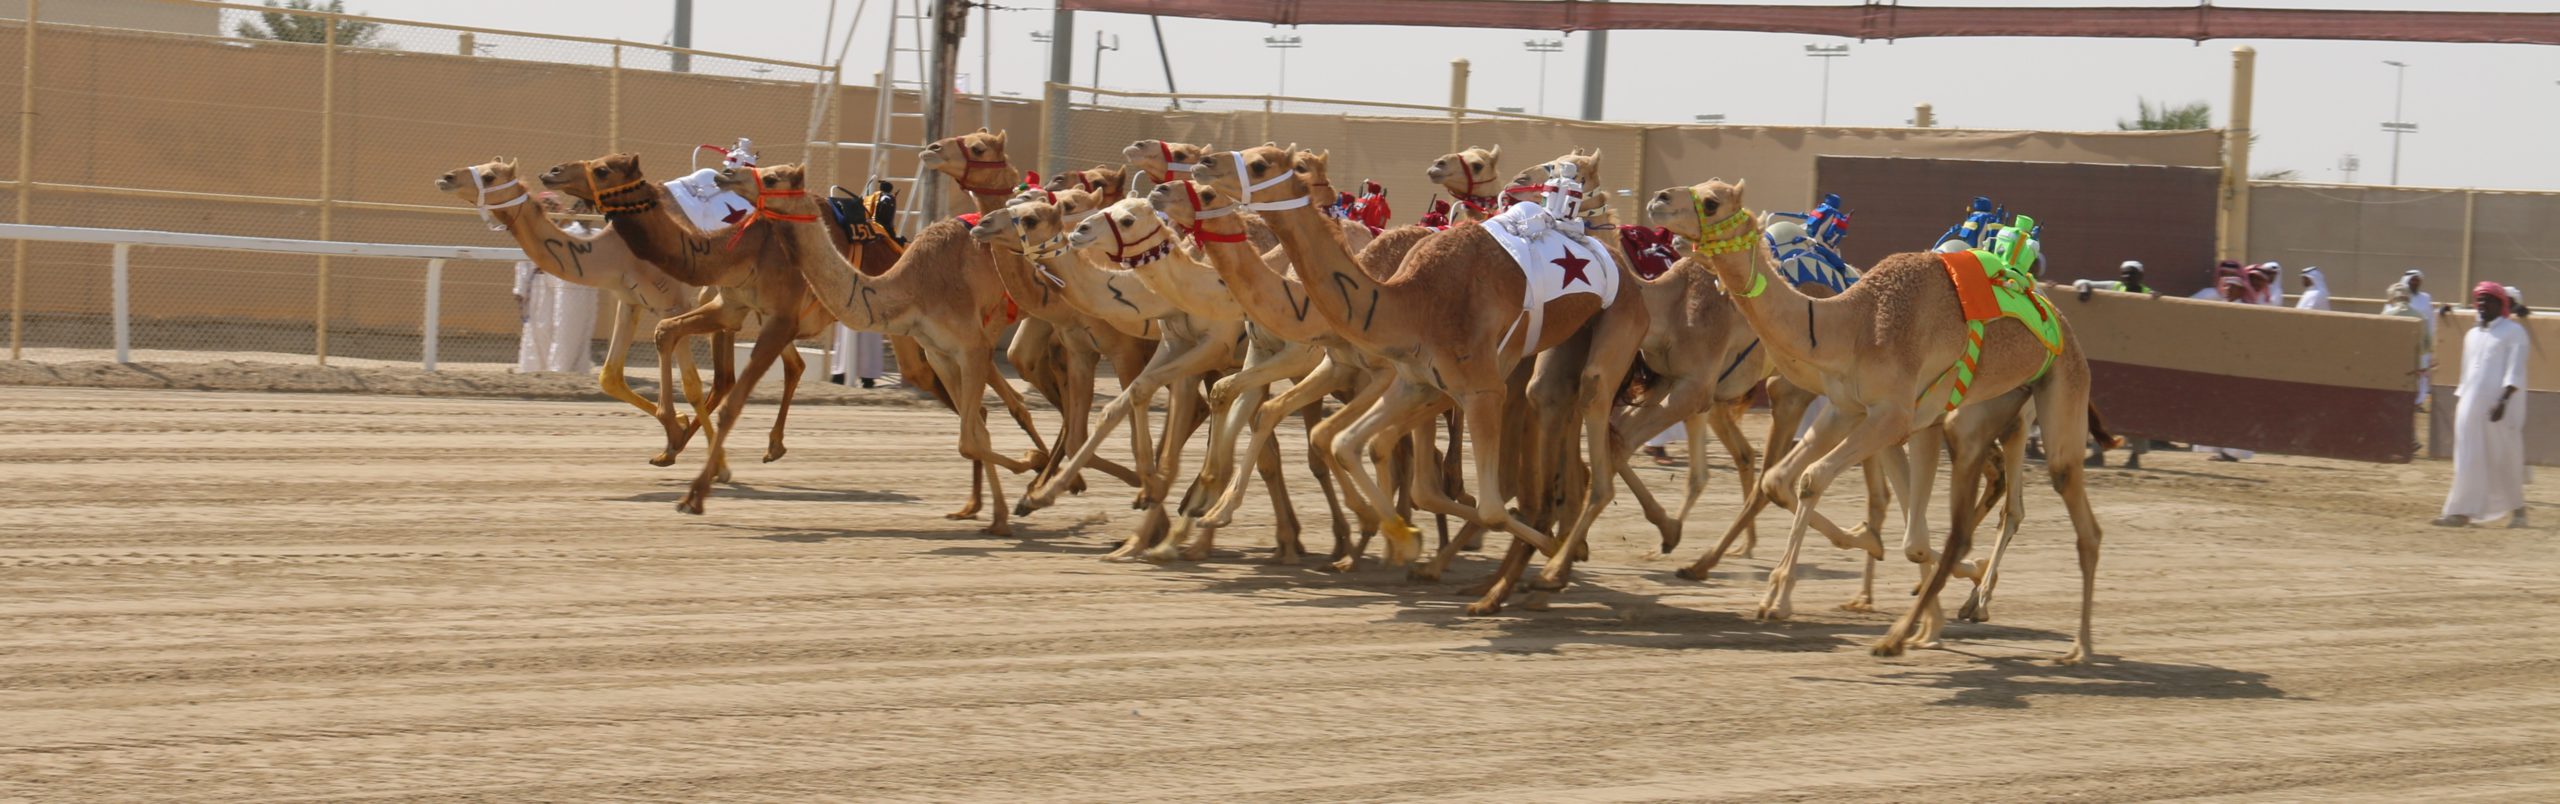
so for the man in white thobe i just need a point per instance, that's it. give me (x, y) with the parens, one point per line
(2488, 417)
(2425, 303)
(858, 357)
(559, 317)
(2315, 290)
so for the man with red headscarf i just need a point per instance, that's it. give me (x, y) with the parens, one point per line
(2488, 418)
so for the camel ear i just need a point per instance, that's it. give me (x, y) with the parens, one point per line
(1495, 152)
(983, 130)
(1595, 153)
(1000, 137)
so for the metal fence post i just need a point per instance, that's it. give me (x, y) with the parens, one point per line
(26, 186)
(613, 103)
(1266, 120)
(123, 284)
(328, 110)
(2470, 205)
(434, 315)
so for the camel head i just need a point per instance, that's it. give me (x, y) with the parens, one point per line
(980, 151)
(783, 189)
(1160, 159)
(1186, 202)
(1467, 173)
(1110, 184)
(616, 178)
(1270, 169)
(1314, 165)
(1689, 211)
(1072, 203)
(1035, 223)
(1595, 210)
(1530, 185)
(1128, 232)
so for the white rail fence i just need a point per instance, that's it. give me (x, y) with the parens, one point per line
(124, 240)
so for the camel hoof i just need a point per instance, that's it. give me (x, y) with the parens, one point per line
(774, 454)
(1861, 603)
(1288, 558)
(1422, 573)
(663, 459)
(724, 478)
(2078, 656)
(1197, 552)
(1536, 601)
(1773, 613)
(1343, 564)
(689, 505)
(1887, 648)
(1691, 574)
(998, 529)
(1974, 611)
(1023, 507)
(1484, 608)
(1165, 553)
(1404, 542)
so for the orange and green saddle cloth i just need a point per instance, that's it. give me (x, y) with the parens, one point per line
(1990, 287)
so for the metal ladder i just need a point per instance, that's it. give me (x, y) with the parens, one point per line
(893, 131)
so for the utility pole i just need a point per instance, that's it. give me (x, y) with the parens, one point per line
(1826, 53)
(2397, 127)
(1595, 71)
(683, 38)
(1544, 48)
(1062, 30)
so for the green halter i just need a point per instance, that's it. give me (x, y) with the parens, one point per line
(1720, 237)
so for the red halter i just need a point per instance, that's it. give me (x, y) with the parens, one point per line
(1198, 230)
(756, 176)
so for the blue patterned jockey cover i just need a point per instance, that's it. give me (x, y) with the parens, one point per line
(1807, 245)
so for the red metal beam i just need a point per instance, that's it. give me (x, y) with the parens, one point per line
(1875, 20)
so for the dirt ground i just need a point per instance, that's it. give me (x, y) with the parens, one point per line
(237, 596)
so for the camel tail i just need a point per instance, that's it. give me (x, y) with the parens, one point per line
(2098, 430)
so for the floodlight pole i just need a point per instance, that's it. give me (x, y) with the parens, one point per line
(1826, 53)
(2397, 126)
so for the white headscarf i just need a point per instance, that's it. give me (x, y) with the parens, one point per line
(2317, 298)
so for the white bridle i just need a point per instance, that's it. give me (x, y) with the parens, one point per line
(1247, 201)
(483, 206)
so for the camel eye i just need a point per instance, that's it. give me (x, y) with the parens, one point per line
(488, 179)
(1128, 220)
(1710, 205)
(599, 171)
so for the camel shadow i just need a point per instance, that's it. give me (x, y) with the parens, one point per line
(2009, 682)
(964, 532)
(779, 493)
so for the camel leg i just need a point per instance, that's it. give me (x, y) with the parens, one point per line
(1324, 438)
(1486, 406)
(1613, 349)
(1919, 627)
(617, 351)
(1864, 435)
(1182, 419)
(1161, 369)
(2012, 485)
(1352, 450)
(1718, 420)
(1680, 399)
(966, 375)
(1309, 417)
(1285, 514)
(2062, 405)
(792, 365)
(1263, 425)
(670, 339)
(775, 337)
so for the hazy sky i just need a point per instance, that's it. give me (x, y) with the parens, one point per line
(2487, 113)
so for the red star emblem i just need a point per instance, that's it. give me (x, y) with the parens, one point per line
(735, 214)
(1572, 267)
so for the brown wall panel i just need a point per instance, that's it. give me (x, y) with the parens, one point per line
(2094, 217)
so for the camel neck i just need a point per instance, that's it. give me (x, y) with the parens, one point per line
(988, 194)
(657, 235)
(534, 232)
(1115, 296)
(852, 297)
(1336, 286)
(1274, 302)
(1783, 316)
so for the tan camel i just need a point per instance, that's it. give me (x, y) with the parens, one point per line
(1467, 175)
(598, 260)
(1886, 354)
(1193, 345)
(1108, 184)
(1446, 321)
(1055, 347)
(953, 315)
(1280, 308)
(1169, 161)
(727, 259)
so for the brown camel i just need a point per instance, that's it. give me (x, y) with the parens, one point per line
(1168, 161)
(1887, 355)
(1447, 323)
(953, 315)
(1055, 348)
(1108, 184)
(598, 260)
(727, 259)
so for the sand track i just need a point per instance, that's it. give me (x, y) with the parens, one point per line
(219, 596)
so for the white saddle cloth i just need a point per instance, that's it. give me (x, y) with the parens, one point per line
(1555, 258)
(704, 203)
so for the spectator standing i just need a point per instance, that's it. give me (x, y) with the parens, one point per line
(2488, 419)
